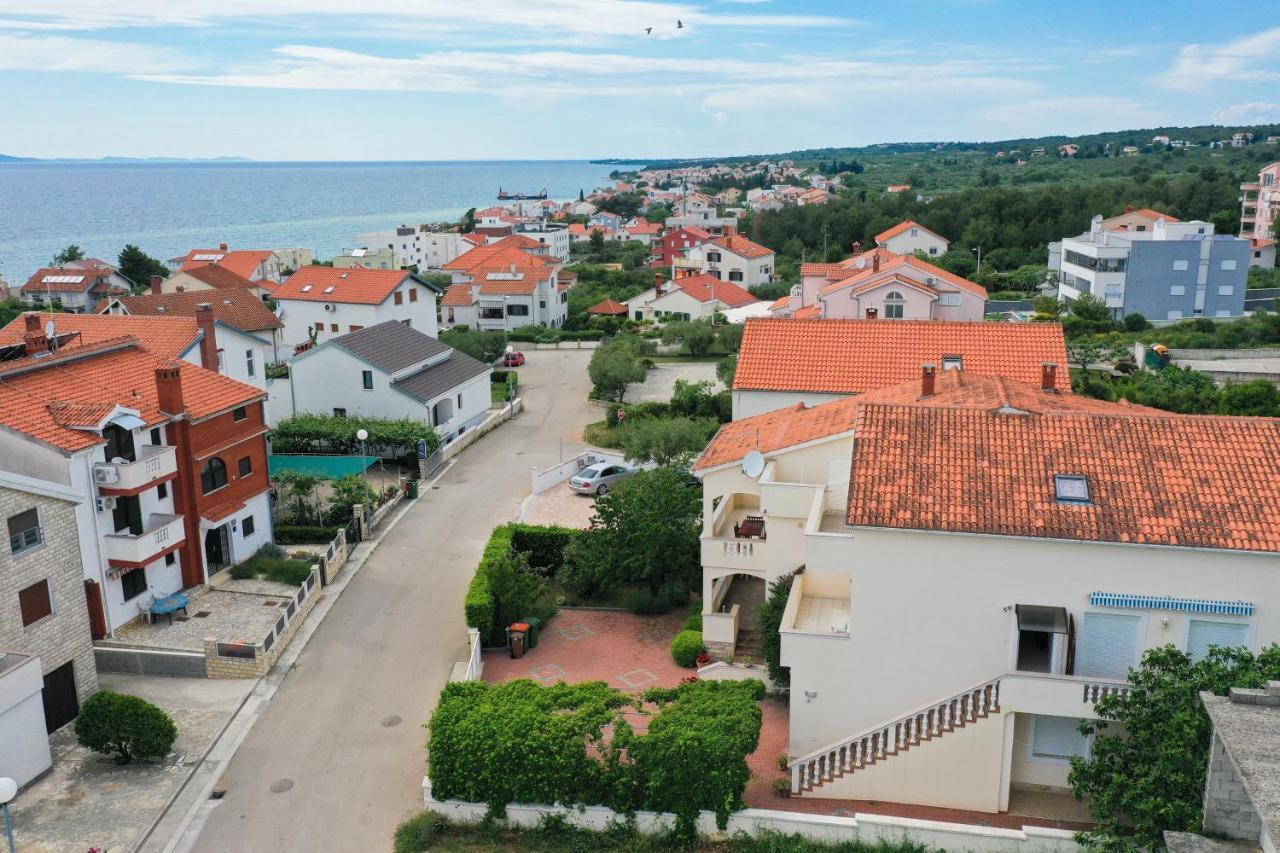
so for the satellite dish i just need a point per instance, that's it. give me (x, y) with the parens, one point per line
(49, 328)
(753, 464)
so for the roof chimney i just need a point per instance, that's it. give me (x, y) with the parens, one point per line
(1128, 208)
(208, 338)
(873, 313)
(857, 247)
(169, 389)
(156, 289)
(1049, 376)
(222, 247)
(928, 379)
(33, 337)
(875, 264)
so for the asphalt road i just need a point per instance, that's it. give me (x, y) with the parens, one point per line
(336, 760)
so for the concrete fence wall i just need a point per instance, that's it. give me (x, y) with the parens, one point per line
(861, 827)
(1224, 354)
(551, 477)
(562, 345)
(335, 557)
(134, 661)
(253, 660)
(495, 418)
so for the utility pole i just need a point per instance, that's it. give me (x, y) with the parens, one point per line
(979, 251)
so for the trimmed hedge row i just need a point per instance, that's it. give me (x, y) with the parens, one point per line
(543, 547)
(544, 544)
(522, 742)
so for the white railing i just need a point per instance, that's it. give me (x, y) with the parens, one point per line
(162, 531)
(738, 549)
(886, 739)
(1095, 691)
(154, 462)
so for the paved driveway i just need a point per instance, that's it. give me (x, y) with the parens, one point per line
(660, 381)
(345, 728)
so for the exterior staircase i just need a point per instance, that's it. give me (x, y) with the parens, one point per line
(882, 742)
(748, 643)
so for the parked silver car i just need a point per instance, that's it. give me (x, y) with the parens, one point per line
(599, 478)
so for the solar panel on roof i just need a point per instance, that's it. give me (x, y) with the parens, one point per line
(204, 256)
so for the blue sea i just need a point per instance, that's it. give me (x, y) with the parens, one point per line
(169, 208)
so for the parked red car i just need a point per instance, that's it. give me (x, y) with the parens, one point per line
(513, 359)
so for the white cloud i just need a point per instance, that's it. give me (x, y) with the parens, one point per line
(1255, 112)
(565, 18)
(1249, 59)
(22, 52)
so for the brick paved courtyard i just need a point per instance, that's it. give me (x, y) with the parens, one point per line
(228, 616)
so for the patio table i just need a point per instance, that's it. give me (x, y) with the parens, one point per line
(169, 605)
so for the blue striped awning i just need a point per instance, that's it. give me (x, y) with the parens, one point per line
(1169, 602)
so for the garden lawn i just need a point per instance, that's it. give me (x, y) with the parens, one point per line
(281, 570)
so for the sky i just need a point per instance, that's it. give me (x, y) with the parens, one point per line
(569, 79)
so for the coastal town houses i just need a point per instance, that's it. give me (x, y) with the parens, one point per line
(1260, 213)
(688, 297)
(171, 456)
(975, 561)
(380, 258)
(503, 286)
(909, 237)
(389, 371)
(417, 246)
(253, 264)
(882, 285)
(676, 243)
(787, 361)
(249, 334)
(46, 651)
(734, 258)
(71, 288)
(1173, 271)
(211, 277)
(319, 303)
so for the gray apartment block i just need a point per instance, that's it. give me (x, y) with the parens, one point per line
(42, 597)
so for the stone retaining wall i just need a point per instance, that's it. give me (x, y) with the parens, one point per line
(264, 656)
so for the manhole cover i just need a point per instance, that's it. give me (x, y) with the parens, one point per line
(203, 614)
(388, 722)
(281, 785)
(217, 795)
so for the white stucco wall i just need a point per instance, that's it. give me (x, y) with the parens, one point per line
(748, 403)
(299, 316)
(907, 243)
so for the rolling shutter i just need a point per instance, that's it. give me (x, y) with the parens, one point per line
(1058, 737)
(1202, 633)
(1108, 645)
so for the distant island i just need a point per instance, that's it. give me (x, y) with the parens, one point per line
(7, 158)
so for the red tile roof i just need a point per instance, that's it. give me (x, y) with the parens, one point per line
(609, 307)
(869, 276)
(358, 285)
(808, 312)
(240, 309)
(741, 246)
(1180, 480)
(1148, 213)
(706, 287)
(167, 337)
(64, 280)
(830, 271)
(221, 278)
(901, 227)
(956, 389)
(458, 295)
(856, 356)
(495, 255)
(243, 262)
(40, 397)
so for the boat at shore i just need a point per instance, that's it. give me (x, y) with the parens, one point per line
(503, 195)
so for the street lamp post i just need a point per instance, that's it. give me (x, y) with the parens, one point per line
(979, 251)
(362, 435)
(8, 790)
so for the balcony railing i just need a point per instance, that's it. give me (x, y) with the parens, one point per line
(160, 533)
(154, 462)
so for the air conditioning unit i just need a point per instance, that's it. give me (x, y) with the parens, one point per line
(108, 503)
(106, 474)
(328, 307)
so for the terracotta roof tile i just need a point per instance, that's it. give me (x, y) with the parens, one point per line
(65, 280)
(243, 262)
(167, 337)
(240, 309)
(1181, 480)
(706, 287)
(896, 264)
(609, 307)
(855, 356)
(357, 285)
(741, 246)
(901, 227)
(220, 277)
(458, 295)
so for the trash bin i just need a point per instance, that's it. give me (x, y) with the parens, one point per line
(516, 636)
(412, 494)
(535, 626)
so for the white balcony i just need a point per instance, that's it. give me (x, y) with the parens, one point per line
(1055, 695)
(160, 533)
(737, 538)
(154, 462)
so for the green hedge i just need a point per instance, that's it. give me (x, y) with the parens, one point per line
(544, 548)
(686, 646)
(537, 334)
(311, 433)
(305, 534)
(479, 605)
(636, 411)
(521, 742)
(544, 544)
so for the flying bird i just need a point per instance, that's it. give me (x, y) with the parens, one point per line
(648, 30)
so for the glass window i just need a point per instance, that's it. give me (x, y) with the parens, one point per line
(1225, 290)
(162, 491)
(399, 298)
(240, 413)
(24, 531)
(214, 475)
(735, 275)
(1177, 290)
(246, 466)
(1108, 645)
(1202, 634)
(339, 412)
(133, 583)
(246, 526)
(1174, 315)
(1071, 488)
(248, 361)
(413, 296)
(366, 379)
(893, 305)
(1228, 264)
(1058, 738)
(952, 362)
(333, 327)
(170, 558)
(950, 300)
(155, 436)
(34, 602)
(1180, 265)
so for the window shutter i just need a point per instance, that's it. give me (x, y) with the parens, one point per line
(34, 602)
(1202, 633)
(1059, 737)
(1108, 645)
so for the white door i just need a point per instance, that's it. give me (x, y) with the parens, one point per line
(1108, 645)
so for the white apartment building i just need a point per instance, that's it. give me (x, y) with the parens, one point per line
(319, 303)
(417, 246)
(552, 237)
(380, 258)
(980, 561)
(734, 258)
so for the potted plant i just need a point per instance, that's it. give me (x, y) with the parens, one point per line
(782, 787)
(783, 761)
(745, 660)
(704, 659)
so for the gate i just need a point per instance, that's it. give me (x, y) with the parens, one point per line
(353, 532)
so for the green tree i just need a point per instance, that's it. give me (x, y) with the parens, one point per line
(301, 488)
(67, 255)
(124, 726)
(482, 346)
(516, 587)
(613, 367)
(1088, 315)
(1086, 351)
(697, 336)
(770, 621)
(596, 241)
(347, 492)
(665, 441)
(1174, 389)
(1258, 398)
(137, 266)
(726, 368)
(1048, 308)
(646, 531)
(468, 222)
(1146, 769)
(729, 337)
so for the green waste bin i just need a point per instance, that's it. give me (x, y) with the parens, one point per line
(535, 626)
(412, 494)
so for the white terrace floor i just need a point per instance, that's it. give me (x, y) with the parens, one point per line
(228, 614)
